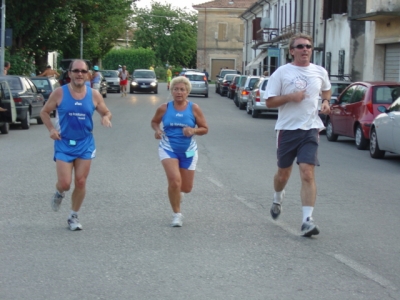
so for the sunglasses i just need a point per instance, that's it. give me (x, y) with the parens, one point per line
(79, 71)
(301, 46)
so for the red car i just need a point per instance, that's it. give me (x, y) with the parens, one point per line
(232, 87)
(356, 107)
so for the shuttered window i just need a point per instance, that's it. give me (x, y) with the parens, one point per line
(222, 31)
(392, 62)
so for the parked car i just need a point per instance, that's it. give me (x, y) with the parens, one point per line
(256, 102)
(356, 107)
(64, 64)
(184, 71)
(111, 76)
(226, 81)
(28, 100)
(199, 83)
(242, 94)
(385, 131)
(46, 85)
(232, 86)
(144, 80)
(337, 87)
(6, 102)
(221, 76)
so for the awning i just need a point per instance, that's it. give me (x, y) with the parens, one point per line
(377, 16)
(257, 60)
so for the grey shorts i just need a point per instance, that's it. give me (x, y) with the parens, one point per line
(302, 144)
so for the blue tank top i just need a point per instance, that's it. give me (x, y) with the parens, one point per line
(74, 117)
(174, 121)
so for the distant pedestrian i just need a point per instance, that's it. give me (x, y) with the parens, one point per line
(182, 120)
(123, 75)
(266, 73)
(294, 89)
(169, 77)
(7, 67)
(96, 78)
(206, 73)
(152, 67)
(49, 72)
(74, 145)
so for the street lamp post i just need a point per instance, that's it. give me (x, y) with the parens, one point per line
(3, 34)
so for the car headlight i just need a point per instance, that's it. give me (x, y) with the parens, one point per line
(153, 84)
(134, 83)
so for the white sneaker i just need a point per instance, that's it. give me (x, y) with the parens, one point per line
(177, 220)
(73, 223)
(56, 200)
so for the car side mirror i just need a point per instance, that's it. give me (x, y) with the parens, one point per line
(42, 91)
(382, 109)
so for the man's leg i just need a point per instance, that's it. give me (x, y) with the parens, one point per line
(63, 184)
(82, 168)
(308, 197)
(280, 180)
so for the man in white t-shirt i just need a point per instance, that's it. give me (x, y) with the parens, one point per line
(294, 89)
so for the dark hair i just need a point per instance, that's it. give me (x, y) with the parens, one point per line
(48, 66)
(6, 64)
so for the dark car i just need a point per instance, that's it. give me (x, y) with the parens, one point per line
(7, 103)
(144, 80)
(232, 86)
(28, 100)
(220, 78)
(46, 85)
(225, 83)
(356, 107)
(64, 64)
(111, 76)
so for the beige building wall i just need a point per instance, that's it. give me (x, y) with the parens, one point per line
(220, 37)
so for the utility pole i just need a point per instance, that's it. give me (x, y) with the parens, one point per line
(3, 35)
(81, 40)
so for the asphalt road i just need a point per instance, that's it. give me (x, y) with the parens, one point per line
(228, 247)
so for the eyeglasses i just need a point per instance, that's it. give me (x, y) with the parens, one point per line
(301, 46)
(79, 71)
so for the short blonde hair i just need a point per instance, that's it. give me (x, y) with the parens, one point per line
(181, 79)
(300, 36)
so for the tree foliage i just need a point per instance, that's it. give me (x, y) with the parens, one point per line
(171, 33)
(40, 26)
(132, 58)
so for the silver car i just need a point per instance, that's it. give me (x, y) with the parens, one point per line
(112, 80)
(199, 83)
(256, 103)
(384, 134)
(243, 92)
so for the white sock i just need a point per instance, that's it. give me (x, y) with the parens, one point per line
(278, 196)
(73, 213)
(307, 212)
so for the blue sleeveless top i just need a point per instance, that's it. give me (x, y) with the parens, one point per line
(174, 121)
(74, 117)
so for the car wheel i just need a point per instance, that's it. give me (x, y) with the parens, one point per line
(206, 95)
(228, 94)
(236, 101)
(254, 113)
(156, 91)
(39, 120)
(374, 150)
(105, 95)
(4, 129)
(248, 110)
(329, 132)
(131, 91)
(26, 123)
(361, 141)
(242, 106)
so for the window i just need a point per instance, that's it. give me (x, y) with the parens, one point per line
(341, 62)
(222, 31)
(332, 7)
(328, 62)
(384, 94)
(347, 95)
(358, 94)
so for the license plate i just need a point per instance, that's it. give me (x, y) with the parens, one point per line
(143, 86)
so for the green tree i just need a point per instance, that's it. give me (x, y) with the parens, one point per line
(171, 33)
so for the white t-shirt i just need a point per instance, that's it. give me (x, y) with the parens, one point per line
(288, 79)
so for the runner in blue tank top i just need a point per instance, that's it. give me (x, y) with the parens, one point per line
(74, 145)
(182, 120)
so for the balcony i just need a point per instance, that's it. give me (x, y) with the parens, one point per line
(268, 36)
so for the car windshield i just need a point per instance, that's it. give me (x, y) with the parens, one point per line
(338, 88)
(41, 84)
(253, 81)
(229, 76)
(109, 74)
(195, 77)
(264, 85)
(144, 74)
(14, 83)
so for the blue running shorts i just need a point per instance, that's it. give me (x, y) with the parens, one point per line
(188, 163)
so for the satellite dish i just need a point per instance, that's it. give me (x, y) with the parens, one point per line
(265, 22)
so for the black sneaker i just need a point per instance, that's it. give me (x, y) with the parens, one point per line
(308, 228)
(275, 210)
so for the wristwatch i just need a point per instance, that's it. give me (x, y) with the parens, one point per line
(325, 100)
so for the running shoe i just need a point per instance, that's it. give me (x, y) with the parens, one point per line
(177, 220)
(276, 208)
(56, 200)
(73, 223)
(308, 228)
